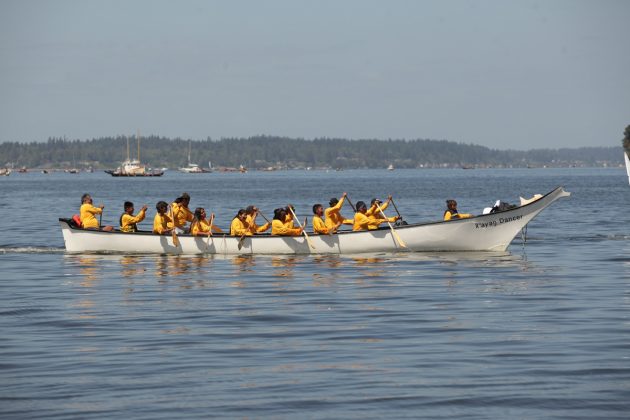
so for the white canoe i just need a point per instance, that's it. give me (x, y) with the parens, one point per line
(489, 232)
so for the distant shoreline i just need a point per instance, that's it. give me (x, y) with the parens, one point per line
(281, 153)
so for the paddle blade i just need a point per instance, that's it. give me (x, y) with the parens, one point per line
(175, 239)
(399, 239)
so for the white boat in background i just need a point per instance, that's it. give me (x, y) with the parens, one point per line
(134, 167)
(5, 171)
(193, 168)
(390, 167)
(625, 157)
(488, 232)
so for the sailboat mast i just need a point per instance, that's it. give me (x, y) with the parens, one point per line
(188, 152)
(138, 137)
(127, 148)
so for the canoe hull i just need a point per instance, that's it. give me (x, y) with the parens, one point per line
(491, 232)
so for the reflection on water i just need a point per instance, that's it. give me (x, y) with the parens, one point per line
(89, 270)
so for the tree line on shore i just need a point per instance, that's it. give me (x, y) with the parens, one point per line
(261, 152)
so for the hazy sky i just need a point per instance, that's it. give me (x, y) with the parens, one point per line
(504, 74)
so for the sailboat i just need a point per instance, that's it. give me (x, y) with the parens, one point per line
(193, 168)
(134, 167)
(625, 157)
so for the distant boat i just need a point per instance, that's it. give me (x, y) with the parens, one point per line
(193, 168)
(134, 167)
(625, 157)
(390, 167)
(72, 171)
(22, 170)
(5, 171)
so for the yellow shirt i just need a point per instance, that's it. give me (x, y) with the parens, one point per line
(288, 222)
(449, 216)
(238, 228)
(363, 222)
(128, 222)
(320, 227)
(88, 220)
(253, 227)
(373, 211)
(279, 228)
(333, 215)
(202, 227)
(161, 223)
(181, 215)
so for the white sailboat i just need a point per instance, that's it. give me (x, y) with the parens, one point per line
(625, 157)
(193, 168)
(133, 167)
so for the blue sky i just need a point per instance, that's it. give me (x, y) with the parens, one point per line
(503, 74)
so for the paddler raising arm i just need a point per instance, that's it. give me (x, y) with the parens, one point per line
(363, 222)
(376, 215)
(333, 213)
(128, 222)
(319, 226)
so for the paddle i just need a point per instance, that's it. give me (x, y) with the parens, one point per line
(351, 205)
(173, 232)
(396, 208)
(100, 219)
(303, 229)
(241, 240)
(209, 231)
(266, 220)
(394, 233)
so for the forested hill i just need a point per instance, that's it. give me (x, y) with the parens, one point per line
(281, 152)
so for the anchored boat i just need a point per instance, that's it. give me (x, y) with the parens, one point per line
(488, 232)
(134, 167)
(193, 168)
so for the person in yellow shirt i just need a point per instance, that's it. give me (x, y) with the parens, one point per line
(319, 226)
(451, 212)
(129, 222)
(239, 225)
(333, 213)
(279, 224)
(200, 226)
(374, 214)
(88, 212)
(252, 213)
(288, 219)
(181, 214)
(162, 223)
(363, 222)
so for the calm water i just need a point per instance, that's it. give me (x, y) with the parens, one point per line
(541, 331)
